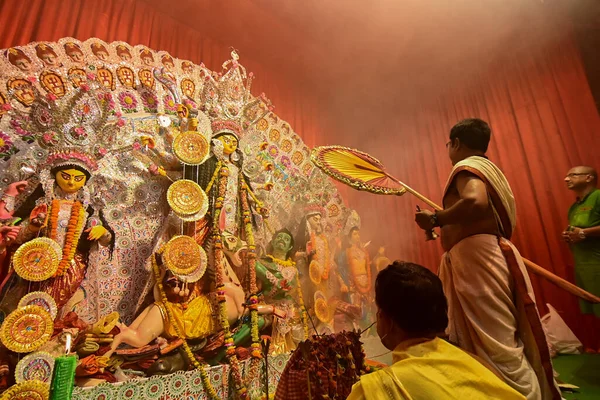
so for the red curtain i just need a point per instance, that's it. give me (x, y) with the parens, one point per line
(544, 121)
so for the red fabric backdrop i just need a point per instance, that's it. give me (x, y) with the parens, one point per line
(536, 98)
(544, 121)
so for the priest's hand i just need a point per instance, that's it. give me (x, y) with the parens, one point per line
(424, 219)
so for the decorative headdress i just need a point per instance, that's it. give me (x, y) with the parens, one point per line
(227, 100)
(68, 157)
(314, 209)
(223, 127)
(16, 54)
(122, 49)
(43, 48)
(146, 54)
(98, 46)
(353, 221)
(71, 47)
(75, 130)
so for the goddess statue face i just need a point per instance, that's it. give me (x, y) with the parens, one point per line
(230, 143)
(355, 236)
(23, 64)
(70, 180)
(282, 242)
(314, 222)
(48, 58)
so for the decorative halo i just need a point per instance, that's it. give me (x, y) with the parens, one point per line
(41, 299)
(322, 311)
(185, 258)
(28, 390)
(35, 366)
(314, 271)
(38, 259)
(187, 199)
(26, 329)
(191, 148)
(319, 295)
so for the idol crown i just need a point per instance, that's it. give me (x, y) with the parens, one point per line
(226, 97)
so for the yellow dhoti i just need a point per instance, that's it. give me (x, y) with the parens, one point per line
(193, 322)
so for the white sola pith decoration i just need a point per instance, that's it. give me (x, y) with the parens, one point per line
(129, 88)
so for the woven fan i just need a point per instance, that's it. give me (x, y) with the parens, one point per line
(361, 171)
(364, 172)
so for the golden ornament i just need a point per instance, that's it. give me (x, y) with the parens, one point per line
(35, 366)
(28, 390)
(38, 259)
(41, 299)
(187, 199)
(26, 329)
(322, 311)
(191, 148)
(314, 271)
(184, 257)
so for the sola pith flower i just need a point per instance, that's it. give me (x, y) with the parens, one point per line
(128, 101)
(170, 103)
(149, 100)
(6, 143)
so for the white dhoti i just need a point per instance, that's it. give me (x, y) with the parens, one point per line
(487, 312)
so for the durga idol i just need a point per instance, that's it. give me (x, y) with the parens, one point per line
(59, 209)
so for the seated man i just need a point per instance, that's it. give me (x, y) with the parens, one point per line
(411, 313)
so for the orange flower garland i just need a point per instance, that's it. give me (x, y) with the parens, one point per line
(210, 390)
(327, 261)
(240, 388)
(73, 234)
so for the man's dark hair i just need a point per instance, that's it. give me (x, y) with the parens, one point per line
(473, 133)
(412, 296)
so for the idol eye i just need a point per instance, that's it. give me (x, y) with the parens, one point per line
(79, 178)
(65, 176)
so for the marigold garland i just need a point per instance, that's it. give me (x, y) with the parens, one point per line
(327, 261)
(218, 252)
(72, 235)
(256, 348)
(214, 177)
(303, 315)
(188, 351)
(361, 289)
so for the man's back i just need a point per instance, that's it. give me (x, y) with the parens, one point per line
(433, 369)
(485, 224)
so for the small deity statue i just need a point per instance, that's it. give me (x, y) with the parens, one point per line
(8, 231)
(47, 54)
(222, 174)
(278, 281)
(315, 262)
(179, 310)
(19, 59)
(356, 266)
(61, 210)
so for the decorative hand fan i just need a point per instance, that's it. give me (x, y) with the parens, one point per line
(364, 172)
(361, 171)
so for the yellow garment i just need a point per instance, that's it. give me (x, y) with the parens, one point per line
(196, 321)
(429, 370)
